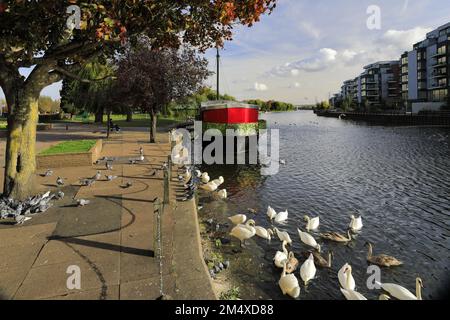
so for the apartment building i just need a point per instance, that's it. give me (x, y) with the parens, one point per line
(425, 72)
(420, 80)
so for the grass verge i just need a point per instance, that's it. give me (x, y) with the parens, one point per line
(72, 146)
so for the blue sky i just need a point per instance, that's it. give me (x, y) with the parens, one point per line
(307, 48)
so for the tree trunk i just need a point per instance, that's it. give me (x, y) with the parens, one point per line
(20, 162)
(129, 115)
(99, 114)
(153, 120)
(108, 125)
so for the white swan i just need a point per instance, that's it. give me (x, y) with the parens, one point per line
(345, 277)
(384, 297)
(219, 181)
(264, 233)
(210, 186)
(402, 293)
(271, 213)
(311, 224)
(283, 236)
(289, 284)
(356, 223)
(243, 232)
(352, 295)
(308, 270)
(205, 177)
(238, 219)
(308, 239)
(222, 194)
(281, 257)
(281, 216)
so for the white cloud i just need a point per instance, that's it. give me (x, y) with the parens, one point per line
(260, 87)
(310, 30)
(403, 40)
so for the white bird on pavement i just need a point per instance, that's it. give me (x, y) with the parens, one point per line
(83, 202)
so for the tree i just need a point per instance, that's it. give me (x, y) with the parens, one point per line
(48, 105)
(151, 79)
(48, 36)
(91, 96)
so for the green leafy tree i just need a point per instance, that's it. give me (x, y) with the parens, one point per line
(48, 36)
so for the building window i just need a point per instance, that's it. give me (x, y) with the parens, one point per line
(439, 95)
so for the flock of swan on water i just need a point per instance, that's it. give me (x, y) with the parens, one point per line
(245, 229)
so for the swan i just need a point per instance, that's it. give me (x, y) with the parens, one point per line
(355, 223)
(292, 263)
(308, 270)
(311, 224)
(352, 295)
(308, 240)
(238, 219)
(205, 177)
(336, 237)
(264, 233)
(281, 256)
(271, 213)
(211, 187)
(281, 216)
(382, 259)
(402, 293)
(319, 261)
(283, 236)
(345, 277)
(243, 232)
(222, 194)
(219, 181)
(289, 284)
(384, 297)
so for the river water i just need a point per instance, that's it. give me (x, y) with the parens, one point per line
(397, 178)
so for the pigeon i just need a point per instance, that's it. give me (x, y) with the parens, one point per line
(189, 196)
(109, 166)
(283, 162)
(153, 173)
(111, 178)
(59, 181)
(97, 176)
(82, 202)
(59, 195)
(21, 219)
(47, 173)
(141, 151)
(87, 182)
(141, 157)
(132, 161)
(128, 184)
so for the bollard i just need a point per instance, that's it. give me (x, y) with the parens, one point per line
(166, 187)
(158, 210)
(169, 166)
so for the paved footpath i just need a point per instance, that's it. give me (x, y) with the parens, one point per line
(111, 240)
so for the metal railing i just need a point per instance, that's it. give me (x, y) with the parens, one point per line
(157, 240)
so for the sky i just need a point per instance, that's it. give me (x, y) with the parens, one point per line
(305, 49)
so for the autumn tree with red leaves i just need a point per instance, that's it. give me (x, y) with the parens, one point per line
(37, 34)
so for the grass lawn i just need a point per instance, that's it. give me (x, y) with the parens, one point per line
(72, 146)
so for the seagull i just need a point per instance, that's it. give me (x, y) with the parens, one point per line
(82, 202)
(141, 157)
(111, 178)
(59, 181)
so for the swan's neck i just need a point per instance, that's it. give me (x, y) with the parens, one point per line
(284, 249)
(349, 236)
(329, 259)
(349, 274)
(418, 290)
